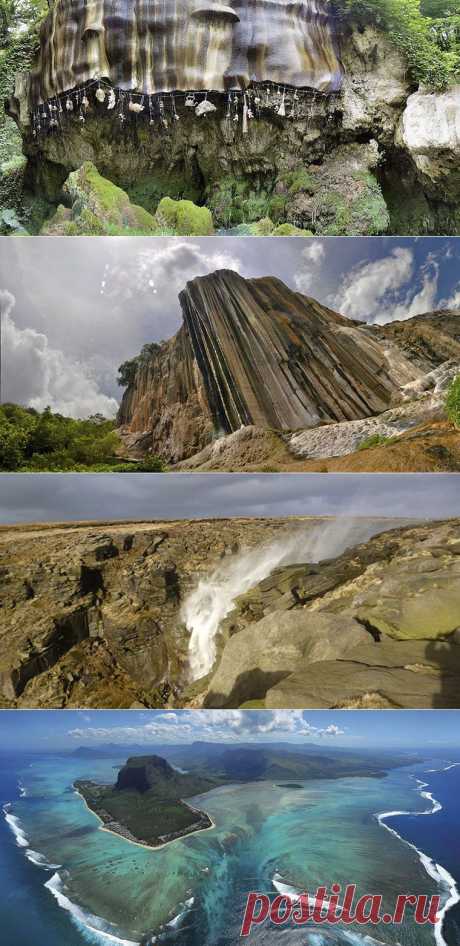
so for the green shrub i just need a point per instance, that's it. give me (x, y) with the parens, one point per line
(376, 440)
(414, 33)
(452, 402)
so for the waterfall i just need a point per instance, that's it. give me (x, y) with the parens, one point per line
(212, 600)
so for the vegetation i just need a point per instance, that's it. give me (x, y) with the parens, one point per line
(34, 441)
(426, 31)
(376, 440)
(19, 23)
(146, 802)
(452, 402)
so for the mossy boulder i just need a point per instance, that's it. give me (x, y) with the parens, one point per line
(288, 229)
(184, 218)
(97, 208)
(11, 189)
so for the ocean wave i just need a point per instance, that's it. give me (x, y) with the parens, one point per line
(22, 790)
(186, 906)
(319, 937)
(436, 871)
(94, 928)
(40, 860)
(16, 827)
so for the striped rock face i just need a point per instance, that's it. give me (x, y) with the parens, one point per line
(153, 46)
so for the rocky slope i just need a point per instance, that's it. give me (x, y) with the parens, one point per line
(89, 615)
(376, 156)
(253, 355)
(93, 616)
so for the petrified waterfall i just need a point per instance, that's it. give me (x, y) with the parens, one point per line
(153, 46)
(252, 351)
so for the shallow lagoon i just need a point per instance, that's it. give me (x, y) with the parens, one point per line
(324, 832)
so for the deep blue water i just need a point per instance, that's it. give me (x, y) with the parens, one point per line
(30, 916)
(439, 836)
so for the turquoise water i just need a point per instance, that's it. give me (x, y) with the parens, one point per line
(103, 889)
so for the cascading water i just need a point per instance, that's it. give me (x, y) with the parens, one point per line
(206, 607)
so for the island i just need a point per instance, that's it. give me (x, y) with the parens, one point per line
(146, 806)
(149, 804)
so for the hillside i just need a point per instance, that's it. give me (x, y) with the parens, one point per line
(260, 377)
(107, 617)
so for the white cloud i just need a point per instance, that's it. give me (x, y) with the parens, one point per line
(212, 725)
(37, 375)
(367, 290)
(164, 269)
(386, 291)
(313, 254)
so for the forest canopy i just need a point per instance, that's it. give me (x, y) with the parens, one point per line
(34, 441)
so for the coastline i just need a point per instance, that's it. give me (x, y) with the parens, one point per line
(143, 844)
(436, 871)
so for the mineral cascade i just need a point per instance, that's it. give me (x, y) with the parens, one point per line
(164, 46)
(251, 352)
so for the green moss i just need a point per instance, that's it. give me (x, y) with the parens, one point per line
(263, 227)
(288, 229)
(299, 180)
(277, 207)
(11, 191)
(149, 191)
(234, 201)
(98, 208)
(184, 217)
(364, 214)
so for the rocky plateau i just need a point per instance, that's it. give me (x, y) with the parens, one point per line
(92, 615)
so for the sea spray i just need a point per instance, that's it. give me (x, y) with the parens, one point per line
(436, 871)
(93, 928)
(206, 607)
(16, 827)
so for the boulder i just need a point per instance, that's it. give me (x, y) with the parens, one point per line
(413, 598)
(415, 675)
(184, 218)
(265, 652)
(97, 208)
(429, 131)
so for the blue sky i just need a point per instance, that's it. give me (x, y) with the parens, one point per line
(58, 497)
(106, 297)
(45, 730)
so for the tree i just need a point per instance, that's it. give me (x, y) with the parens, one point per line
(127, 372)
(452, 403)
(13, 442)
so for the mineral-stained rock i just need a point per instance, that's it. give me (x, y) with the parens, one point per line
(166, 45)
(252, 352)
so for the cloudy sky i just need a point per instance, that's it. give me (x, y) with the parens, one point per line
(57, 497)
(74, 309)
(54, 730)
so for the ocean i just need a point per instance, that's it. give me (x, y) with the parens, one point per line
(65, 882)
